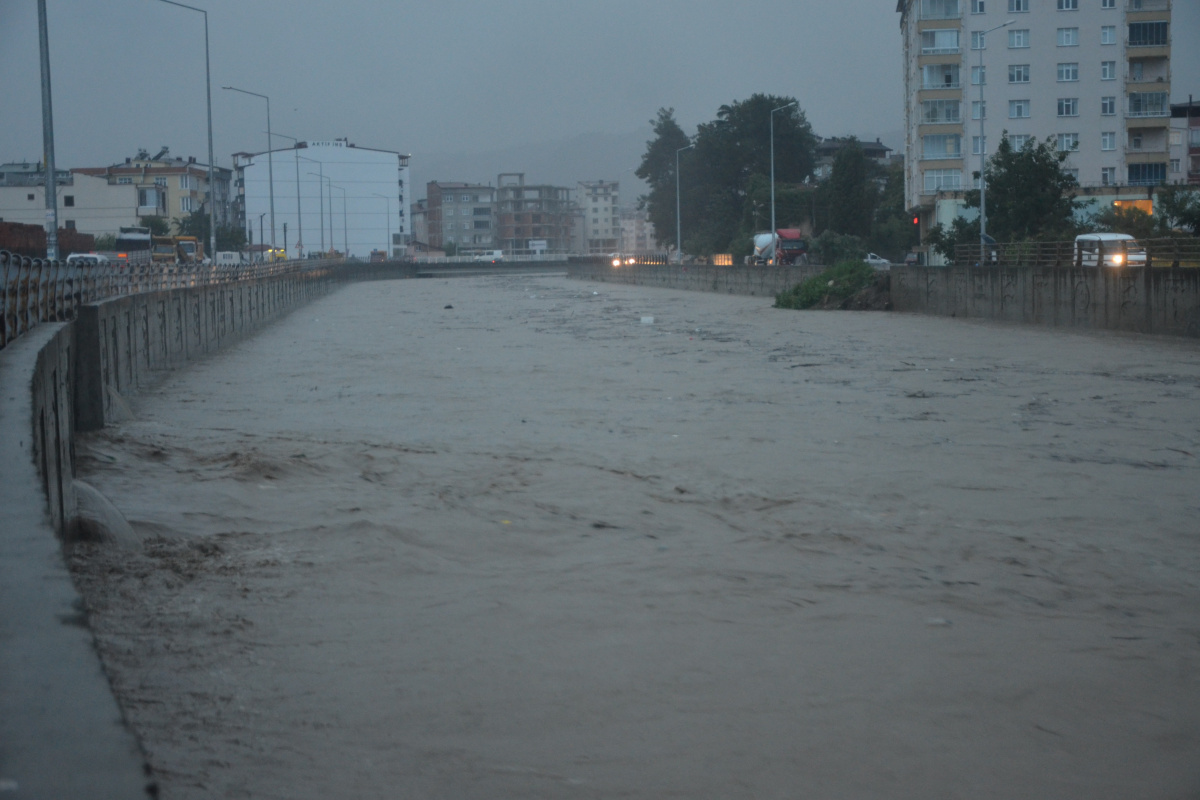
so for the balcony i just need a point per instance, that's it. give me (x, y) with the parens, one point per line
(1147, 5)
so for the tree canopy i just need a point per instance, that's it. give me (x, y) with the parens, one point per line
(721, 181)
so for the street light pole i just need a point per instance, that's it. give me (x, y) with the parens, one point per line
(983, 150)
(774, 242)
(345, 230)
(270, 160)
(299, 222)
(388, 247)
(208, 90)
(51, 184)
(320, 195)
(678, 226)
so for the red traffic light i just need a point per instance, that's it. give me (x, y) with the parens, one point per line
(916, 220)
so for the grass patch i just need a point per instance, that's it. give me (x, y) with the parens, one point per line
(831, 287)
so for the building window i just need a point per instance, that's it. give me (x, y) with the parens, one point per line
(978, 40)
(1174, 165)
(978, 75)
(1018, 73)
(947, 145)
(1018, 109)
(1074, 173)
(935, 112)
(1068, 37)
(1149, 104)
(1108, 34)
(1108, 176)
(978, 109)
(124, 181)
(1068, 106)
(185, 204)
(1017, 6)
(940, 76)
(70, 224)
(1108, 70)
(160, 182)
(1068, 72)
(977, 6)
(1018, 140)
(1108, 106)
(939, 9)
(69, 200)
(1108, 140)
(942, 179)
(28, 197)
(975, 145)
(466, 198)
(1108, 3)
(1148, 34)
(1147, 174)
(1018, 39)
(939, 41)
(1068, 142)
(1068, 5)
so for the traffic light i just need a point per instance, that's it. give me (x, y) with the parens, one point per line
(916, 219)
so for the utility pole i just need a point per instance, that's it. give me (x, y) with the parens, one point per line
(48, 138)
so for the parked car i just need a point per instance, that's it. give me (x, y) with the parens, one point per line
(1118, 249)
(878, 262)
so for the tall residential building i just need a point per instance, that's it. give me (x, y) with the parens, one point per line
(532, 219)
(1093, 74)
(637, 231)
(167, 186)
(460, 214)
(601, 220)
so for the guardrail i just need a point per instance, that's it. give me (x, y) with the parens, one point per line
(1161, 253)
(34, 290)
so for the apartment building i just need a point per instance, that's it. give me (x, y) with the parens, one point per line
(532, 219)
(1185, 143)
(460, 214)
(168, 186)
(601, 221)
(86, 203)
(637, 231)
(1093, 74)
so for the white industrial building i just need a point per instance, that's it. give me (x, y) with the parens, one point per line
(351, 199)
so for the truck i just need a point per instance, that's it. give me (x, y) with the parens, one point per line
(785, 247)
(133, 248)
(177, 250)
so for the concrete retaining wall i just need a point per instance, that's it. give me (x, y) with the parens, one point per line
(759, 281)
(61, 732)
(1159, 300)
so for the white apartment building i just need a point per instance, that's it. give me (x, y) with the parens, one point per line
(637, 231)
(1093, 74)
(601, 219)
(86, 203)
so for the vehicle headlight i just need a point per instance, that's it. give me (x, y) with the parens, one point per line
(616, 262)
(1118, 259)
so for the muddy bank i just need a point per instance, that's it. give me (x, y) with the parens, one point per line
(533, 547)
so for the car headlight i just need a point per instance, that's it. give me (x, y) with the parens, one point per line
(1118, 260)
(616, 262)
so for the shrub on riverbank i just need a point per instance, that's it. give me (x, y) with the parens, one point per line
(832, 288)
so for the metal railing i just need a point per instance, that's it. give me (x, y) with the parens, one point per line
(1160, 253)
(35, 290)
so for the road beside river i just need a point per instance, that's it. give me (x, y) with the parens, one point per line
(507, 537)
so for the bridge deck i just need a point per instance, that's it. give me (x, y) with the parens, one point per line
(530, 546)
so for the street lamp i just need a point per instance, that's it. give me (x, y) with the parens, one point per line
(212, 189)
(320, 195)
(324, 180)
(299, 223)
(983, 149)
(388, 247)
(345, 230)
(270, 160)
(774, 243)
(678, 227)
(261, 244)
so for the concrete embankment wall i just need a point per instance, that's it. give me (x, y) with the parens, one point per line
(760, 281)
(1159, 300)
(61, 732)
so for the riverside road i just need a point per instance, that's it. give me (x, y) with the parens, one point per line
(531, 537)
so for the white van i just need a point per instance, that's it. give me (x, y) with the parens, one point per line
(493, 256)
(1119, 250)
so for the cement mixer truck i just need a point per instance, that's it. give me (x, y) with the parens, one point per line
(785, 247)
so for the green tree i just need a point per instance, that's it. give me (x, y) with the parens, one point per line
(194, 224)
(658, 171)
(1178, 207)
(157, 225)
(722, 181)
(852, 193)
(1029, 197)
(230, 237)
(1131, 220)
(106, 241)
(893, 234)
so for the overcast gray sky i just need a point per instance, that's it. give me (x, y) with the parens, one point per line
(438, 79)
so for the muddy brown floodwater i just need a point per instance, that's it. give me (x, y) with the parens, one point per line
(532, 547)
